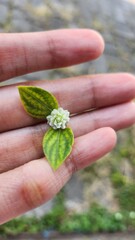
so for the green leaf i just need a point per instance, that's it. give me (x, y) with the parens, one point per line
(57, 145)
(37, 102)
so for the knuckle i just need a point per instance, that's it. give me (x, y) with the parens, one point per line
(32, 192)
(93, 92)
(52, 51)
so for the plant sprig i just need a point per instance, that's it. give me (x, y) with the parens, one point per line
(58, 140)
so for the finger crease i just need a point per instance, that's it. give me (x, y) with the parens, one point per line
(52, 52)
(94, 98)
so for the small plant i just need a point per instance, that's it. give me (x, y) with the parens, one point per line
(126, 197)
(58, 140)
(118, 179)
(96, 219)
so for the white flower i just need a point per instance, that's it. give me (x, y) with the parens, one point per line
(58, 118)
(118, 216)
(132, 215)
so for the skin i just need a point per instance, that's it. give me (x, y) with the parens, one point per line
(26, 178)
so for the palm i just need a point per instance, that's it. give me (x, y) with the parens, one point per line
(26, 178)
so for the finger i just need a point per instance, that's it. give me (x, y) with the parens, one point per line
(28, 52)
(116, 117)
(34, 183)
(21, 146)
(75, 94)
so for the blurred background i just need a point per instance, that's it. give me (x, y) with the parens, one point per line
(100, 198)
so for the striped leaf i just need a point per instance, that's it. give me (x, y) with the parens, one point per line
(37, 102)
(57, 145)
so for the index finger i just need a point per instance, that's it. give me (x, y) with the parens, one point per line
(29, 52)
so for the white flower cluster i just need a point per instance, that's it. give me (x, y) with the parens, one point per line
(118, 216)
(58, 118)
(132, 215)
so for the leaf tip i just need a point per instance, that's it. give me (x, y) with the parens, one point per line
(20, 88)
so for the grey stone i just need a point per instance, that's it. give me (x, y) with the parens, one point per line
(40, 211)
(74, 195)
(100, 65)
(101, 191)
(3, 14)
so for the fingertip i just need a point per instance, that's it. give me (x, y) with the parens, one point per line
(99, 42)
(128, 76)
(95, 42)
(110, 136)
(86, 44)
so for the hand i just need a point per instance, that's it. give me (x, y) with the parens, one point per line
(26, 178)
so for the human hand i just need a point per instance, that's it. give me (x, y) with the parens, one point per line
(26, 178)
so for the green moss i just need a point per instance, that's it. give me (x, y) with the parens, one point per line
(126, 197)
(118, 179)
(98, 219)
